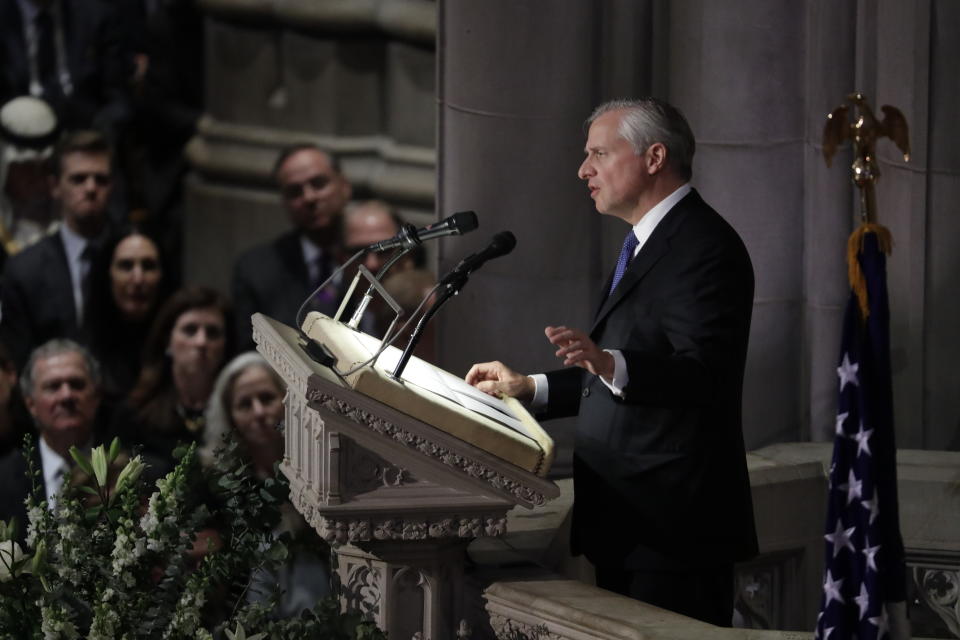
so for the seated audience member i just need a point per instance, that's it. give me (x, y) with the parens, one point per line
(248, 400)
(370, 222)
(28, 128)
(365, 224)
(276, 278)
(61, 388)
(43, 288)
(14, 419)
(127, 288)
(184, 351)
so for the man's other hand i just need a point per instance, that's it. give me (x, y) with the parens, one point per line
(576, 348)
(496, 378)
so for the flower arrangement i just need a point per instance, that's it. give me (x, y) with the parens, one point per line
(109, 562)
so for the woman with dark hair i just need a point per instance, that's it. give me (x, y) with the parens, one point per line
(127, 287)
(184, 351)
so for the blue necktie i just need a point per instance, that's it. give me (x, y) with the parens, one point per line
(626, 254)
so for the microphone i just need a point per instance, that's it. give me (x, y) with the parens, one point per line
(455, 225)
(502, 244)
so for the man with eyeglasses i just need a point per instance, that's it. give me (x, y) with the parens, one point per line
(43, 292)
(277, 277)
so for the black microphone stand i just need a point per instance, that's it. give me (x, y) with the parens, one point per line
(451, 289)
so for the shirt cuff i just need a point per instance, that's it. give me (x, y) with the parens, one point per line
(620, 377)
(541, 393)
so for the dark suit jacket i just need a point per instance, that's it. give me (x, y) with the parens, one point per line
(660, 475)
(98, 66)
(15, 487)
(36, 299)
(272, 279)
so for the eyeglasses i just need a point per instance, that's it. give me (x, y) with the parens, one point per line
(294, 190)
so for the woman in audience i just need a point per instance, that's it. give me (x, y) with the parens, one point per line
(127, 288)
(248, 400)
(184, 351)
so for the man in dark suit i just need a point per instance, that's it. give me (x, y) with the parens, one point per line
(61, 388)
(276, 278)
(43, 287)
(662, 497)
(69, 52)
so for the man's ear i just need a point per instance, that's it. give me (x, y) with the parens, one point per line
(656, 158)
(53, 182)
(31, 405)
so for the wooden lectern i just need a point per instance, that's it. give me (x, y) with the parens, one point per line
(399, 475)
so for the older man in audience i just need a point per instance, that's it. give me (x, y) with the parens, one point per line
(45, 286)
(61, 388)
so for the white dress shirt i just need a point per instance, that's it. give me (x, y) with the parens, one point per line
(55, 470)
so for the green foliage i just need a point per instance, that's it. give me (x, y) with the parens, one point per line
(112, 561)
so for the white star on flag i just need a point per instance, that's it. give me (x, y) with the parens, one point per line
(847, 372)
(871, 553)
(872, 507)
(863, 440)
(831, 588)
(863, 600)
(840, 539)
(841, 418)
(852, 486)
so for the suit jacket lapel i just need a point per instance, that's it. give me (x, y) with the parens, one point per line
(656, 246)
(60, 279)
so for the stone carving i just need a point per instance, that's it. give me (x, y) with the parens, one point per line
(425, 446)
(340, 531)
(366, 471)
(940, 590)
(506, 629)
(362, 591)
(279, 361)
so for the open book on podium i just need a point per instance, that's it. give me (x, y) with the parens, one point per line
(501, 427)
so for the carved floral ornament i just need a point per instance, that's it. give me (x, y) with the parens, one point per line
(344, 530)
(450, 458)
(505, 629)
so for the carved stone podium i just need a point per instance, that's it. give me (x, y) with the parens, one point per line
(399, 479)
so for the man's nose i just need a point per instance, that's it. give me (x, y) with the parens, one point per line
(257, 408)
(137, 274)
(585, 170)
(64, 391)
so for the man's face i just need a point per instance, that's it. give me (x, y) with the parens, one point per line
(83, 189)
(312, 190)
(616, 176)
(366, 225)
(64, 398)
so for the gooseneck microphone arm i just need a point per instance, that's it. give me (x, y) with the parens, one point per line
(450, 285)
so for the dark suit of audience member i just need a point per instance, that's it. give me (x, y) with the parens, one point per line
(276, 278)
(61, 390)
(662, 498)
(15, 422)
(84, 78)
(44, 287)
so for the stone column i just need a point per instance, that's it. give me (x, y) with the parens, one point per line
(516, 79)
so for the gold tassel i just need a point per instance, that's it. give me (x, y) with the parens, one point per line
(858, 283)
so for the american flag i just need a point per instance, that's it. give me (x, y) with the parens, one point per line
(864, 557)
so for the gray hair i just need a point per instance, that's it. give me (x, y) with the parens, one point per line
(650, 120)
(56, 347)
(217, 421)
